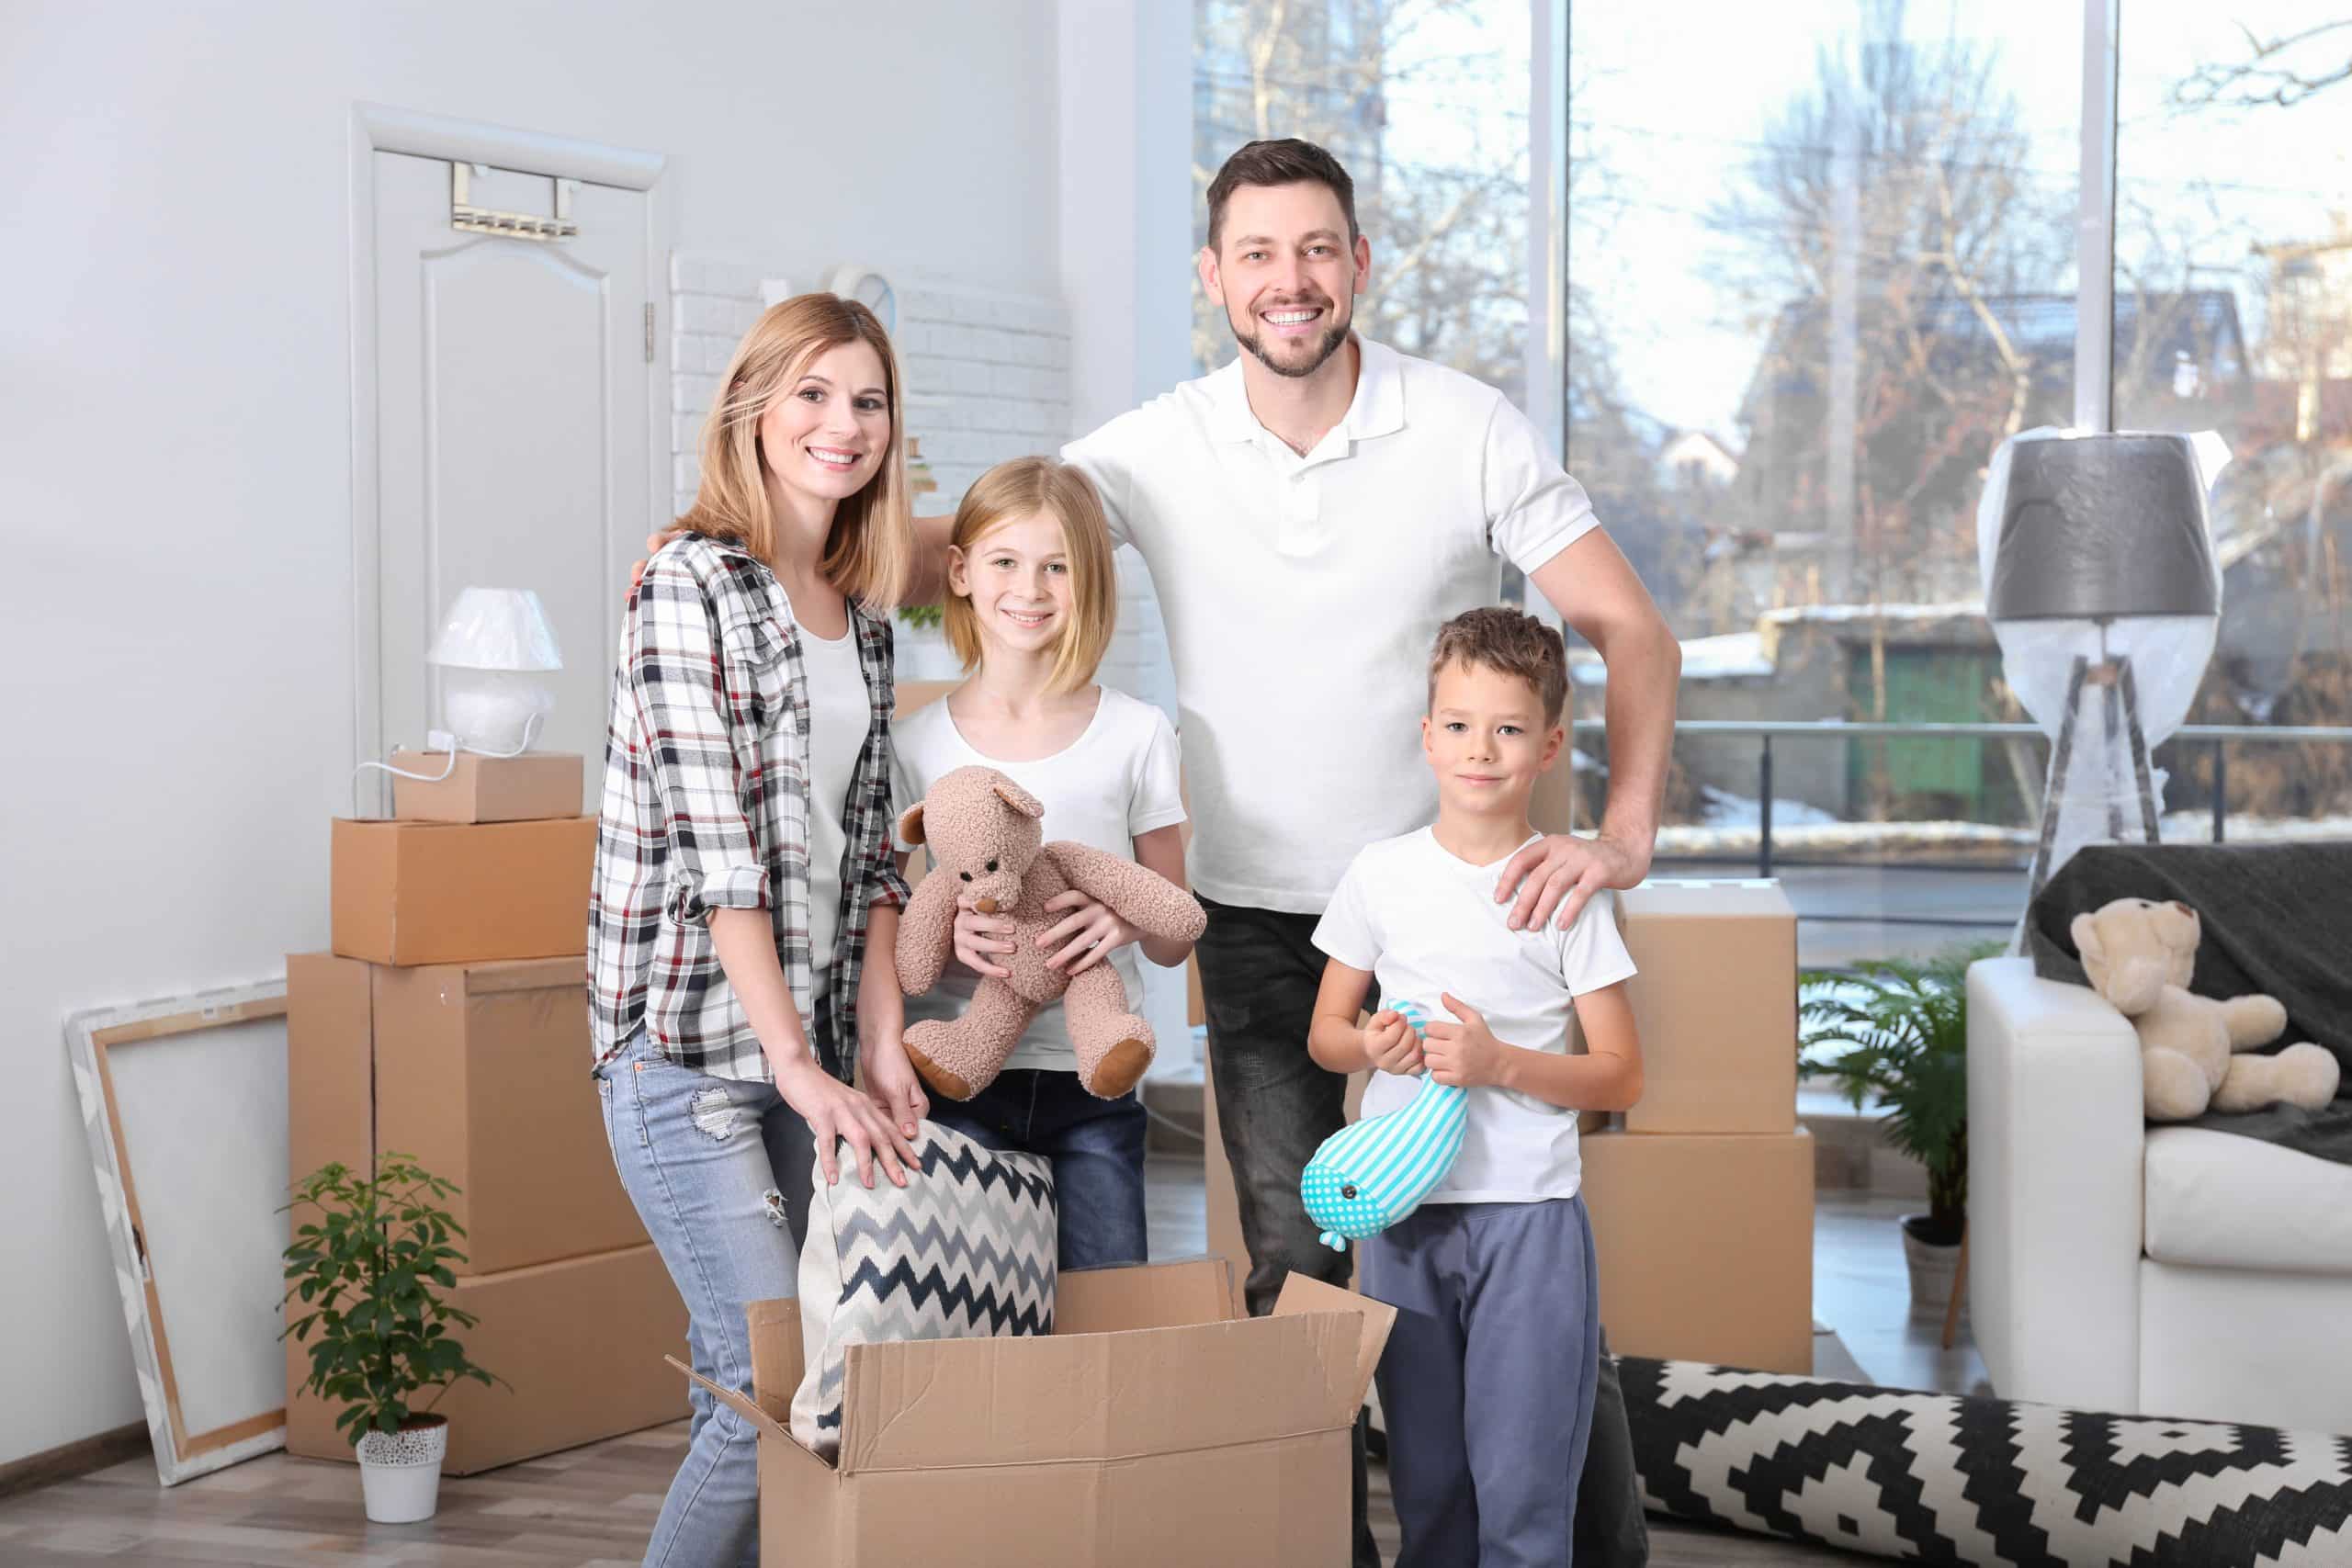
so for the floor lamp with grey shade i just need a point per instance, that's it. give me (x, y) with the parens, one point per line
(2109, 530)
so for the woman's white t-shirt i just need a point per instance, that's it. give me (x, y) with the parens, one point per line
(1425, 924)
(839, 713)
(1116, 781)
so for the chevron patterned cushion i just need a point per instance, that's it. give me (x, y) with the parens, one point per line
(964, 1251)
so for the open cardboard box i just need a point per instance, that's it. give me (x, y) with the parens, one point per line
(1153, 1428)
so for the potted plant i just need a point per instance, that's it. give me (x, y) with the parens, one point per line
(370, 1267)
(1897, 1030)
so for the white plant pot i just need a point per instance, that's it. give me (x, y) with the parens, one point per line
(399, 1472)
(1933, 1269)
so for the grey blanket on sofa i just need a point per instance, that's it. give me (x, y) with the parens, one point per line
(2278, 919)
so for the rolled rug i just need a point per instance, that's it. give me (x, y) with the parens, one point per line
(1939, 1478)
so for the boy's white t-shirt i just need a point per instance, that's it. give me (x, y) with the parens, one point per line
(1118, 780)
(1425, 924)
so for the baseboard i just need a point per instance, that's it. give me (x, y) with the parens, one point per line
(67, 1461)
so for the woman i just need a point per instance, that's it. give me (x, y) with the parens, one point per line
(745, 906)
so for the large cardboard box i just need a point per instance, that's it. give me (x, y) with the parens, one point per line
(535, 785)
(480, 1072)
(461, 893)
(581, 1341)
(1152, 1429)
(1716, 1004)
(1706, 1246)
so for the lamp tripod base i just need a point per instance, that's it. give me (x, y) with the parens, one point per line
(2119, 713)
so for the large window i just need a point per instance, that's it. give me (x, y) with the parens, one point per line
(1822, 257)
(2233, 312)
(1425, 102)
(1821, 261)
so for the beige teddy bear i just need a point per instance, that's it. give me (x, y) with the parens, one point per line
(985, 841)
(2139, 956)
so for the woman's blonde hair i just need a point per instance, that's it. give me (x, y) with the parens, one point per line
(1034, 487)
(870, 553)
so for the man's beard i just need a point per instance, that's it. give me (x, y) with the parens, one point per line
(1333, 336)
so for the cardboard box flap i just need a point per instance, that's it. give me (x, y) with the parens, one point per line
(1303, 1295)
(951, 1404)
(776, 1362)
(745, 1406)
(525, 975)
(1143, 1295)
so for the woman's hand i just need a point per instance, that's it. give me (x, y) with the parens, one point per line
(892, 1082)
(1089, 928)
(979, 936)
(835, 1111)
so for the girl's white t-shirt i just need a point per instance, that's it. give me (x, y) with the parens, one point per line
(839, 713)
(1119, 779)
(1427, 925)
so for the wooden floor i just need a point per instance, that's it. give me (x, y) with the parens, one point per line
(594, 1506)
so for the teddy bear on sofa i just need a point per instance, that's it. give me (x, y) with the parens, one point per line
(2138, 954)
(987, 842)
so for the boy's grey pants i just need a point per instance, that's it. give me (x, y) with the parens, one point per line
(1487, 1382)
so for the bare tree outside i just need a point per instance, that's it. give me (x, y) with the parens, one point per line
(2232, 206)
(1904, 261)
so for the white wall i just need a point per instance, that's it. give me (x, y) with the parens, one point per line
(175, 406)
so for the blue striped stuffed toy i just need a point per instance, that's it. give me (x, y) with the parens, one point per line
(1367, 1177)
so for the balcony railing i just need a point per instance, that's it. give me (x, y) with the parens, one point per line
(2217, 741)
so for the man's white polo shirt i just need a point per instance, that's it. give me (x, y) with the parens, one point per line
(1302, 595)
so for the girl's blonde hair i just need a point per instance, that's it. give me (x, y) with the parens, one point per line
(870, 553)
(1034, 487)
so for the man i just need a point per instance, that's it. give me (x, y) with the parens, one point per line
(1310, 515)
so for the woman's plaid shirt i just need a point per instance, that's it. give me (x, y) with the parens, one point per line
(707, 808)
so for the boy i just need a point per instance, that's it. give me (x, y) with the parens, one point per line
(1488, 1382)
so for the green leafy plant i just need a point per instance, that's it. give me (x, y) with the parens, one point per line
(921, 616)
(1897, 1029)
(370, 1267)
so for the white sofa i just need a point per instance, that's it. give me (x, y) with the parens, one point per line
(2118, 1267)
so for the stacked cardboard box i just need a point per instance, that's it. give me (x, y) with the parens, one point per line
(450, 1024)
(1701, 1200)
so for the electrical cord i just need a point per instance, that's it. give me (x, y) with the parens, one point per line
(443, 741)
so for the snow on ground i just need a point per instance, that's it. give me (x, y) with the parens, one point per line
(1726, 809)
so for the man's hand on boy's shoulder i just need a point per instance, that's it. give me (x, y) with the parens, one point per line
(1561, 871)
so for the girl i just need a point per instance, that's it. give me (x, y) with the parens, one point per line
(1032, 598)
(743, 919)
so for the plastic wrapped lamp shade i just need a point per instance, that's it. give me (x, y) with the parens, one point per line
(496, 628)
(493, 644)
(2099, 527)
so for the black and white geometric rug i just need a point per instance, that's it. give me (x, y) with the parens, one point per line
(1935, 1478)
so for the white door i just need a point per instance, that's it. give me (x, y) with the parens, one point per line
(513, 432)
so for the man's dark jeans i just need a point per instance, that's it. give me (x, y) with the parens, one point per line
(1260, 971)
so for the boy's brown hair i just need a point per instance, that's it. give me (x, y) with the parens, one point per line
(1508, 642)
